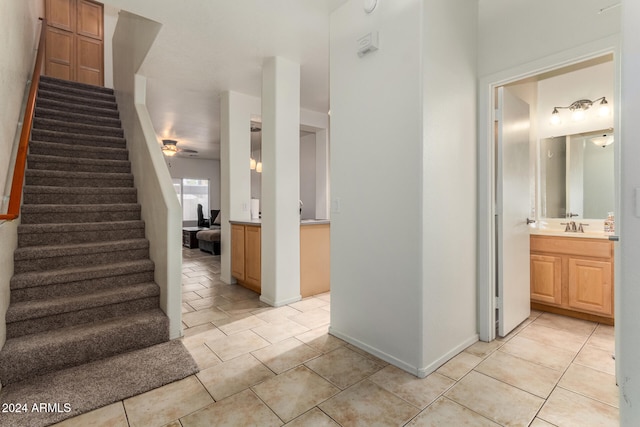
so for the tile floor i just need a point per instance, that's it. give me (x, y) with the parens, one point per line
(266, 366)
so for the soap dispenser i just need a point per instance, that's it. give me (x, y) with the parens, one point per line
(609, 223)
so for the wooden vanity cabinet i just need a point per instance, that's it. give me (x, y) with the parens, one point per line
(572, 276)
(246, 264)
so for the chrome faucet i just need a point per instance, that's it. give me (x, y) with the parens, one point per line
(572, 227)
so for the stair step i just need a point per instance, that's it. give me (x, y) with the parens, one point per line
(77, 128)
(91, 141)
(76, 100)
(42, 194)
(77, 179)
(78, 280)
(63, 234)
(41, 353)
(39, 258)
(52, 104)
(77, 85)
(78, 91)
(90, 119)
(30, 317)
(44, 162)
(65, 214)
(77, 151)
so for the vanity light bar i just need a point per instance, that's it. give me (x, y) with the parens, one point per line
(578, 109)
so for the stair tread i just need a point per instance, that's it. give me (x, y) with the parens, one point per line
(78, 190)
(63, 106)
(78, 128)
(78, 160)
(31, 252)
(38, 133)
(73, 174)
(40, 308)
(77, 100)
(72, 274)
(69, 83)
(44, 208)
(53, 114)
(86, 226)
(76, 147)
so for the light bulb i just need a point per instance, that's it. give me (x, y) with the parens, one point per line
(578, 114)
(259, 167)
(252, 164)
(555, 117)
(604, 108)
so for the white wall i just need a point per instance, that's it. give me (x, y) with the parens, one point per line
(110, 21)
(403, 181)
(628, 295)
(449, 180)
(160, 207)
(376, 151)
(200, 169)
(21, 28)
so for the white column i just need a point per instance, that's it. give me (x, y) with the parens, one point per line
(280, 181)
(235, 175)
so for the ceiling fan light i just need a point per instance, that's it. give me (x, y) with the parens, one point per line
(169, 152)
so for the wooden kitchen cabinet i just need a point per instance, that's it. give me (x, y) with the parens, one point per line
(246, 264)
(572, 276)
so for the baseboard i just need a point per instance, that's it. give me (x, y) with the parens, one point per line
(281, 302)
(423, 372)
(414, 370)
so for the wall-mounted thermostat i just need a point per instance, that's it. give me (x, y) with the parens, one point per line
(368, 43)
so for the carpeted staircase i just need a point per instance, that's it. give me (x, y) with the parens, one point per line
(83, 289)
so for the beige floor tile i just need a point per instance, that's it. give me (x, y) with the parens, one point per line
(420, 392)
(533, 378)
(195, 330)
(313, 318)
(370, 356)
(597, 358)
(313, 418)
(320, 339)
(275, 315)
(276, 332)
(554, 337)
(591, 383)
(500, 402)
(197, 338)
(233, 376)
(516, 330)
(237, 344)
(459, 366)
(175, 423)
(197, 273)
(537, 422)
(108, 416)
(343, 367)
(603, 338)
(242, 409)
(241, 307)
(208, 302)
(167, 403)
(203, 316)
(367, 404)
(237, 293)
(294, 392)
(285, 355)
(533, 351)
(483, 349)
(324, 297)
(235, 324)
(308, 304)
(576, 326)
(204, 357)
(191, 284)
(445, 412)
(186, 308)
(190, 296)
(565, 408)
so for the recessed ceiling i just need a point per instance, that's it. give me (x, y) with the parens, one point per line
(206, 48)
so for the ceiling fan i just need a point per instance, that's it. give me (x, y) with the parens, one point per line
(170, 148)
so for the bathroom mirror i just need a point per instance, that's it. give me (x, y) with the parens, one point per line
(577, 175)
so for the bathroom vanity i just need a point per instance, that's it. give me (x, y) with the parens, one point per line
(572, 274)
(246, 265)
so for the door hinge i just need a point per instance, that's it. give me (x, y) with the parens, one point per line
(498, 303)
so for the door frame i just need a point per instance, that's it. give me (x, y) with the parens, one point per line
(487, 262)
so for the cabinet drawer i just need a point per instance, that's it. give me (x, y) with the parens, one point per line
(596, 248)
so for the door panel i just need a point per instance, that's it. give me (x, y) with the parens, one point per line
(512, 209)
(590, 285)
(89, 60)
(61, 14)
(253, 273)
(59, 50)
(546, 279)
(237, 251)
(89, 19)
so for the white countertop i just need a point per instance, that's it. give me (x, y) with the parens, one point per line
(562, 233)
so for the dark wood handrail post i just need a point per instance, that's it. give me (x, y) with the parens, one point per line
(15, 197)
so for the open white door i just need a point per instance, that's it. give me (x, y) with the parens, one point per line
(512, 209)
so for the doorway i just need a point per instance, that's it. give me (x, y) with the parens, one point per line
(490, 257)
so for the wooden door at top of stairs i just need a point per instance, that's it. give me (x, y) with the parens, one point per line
(75, 41)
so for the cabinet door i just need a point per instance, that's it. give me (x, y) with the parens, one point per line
(237, 251)
(253, 264)
(546, 279)
(590, 286)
